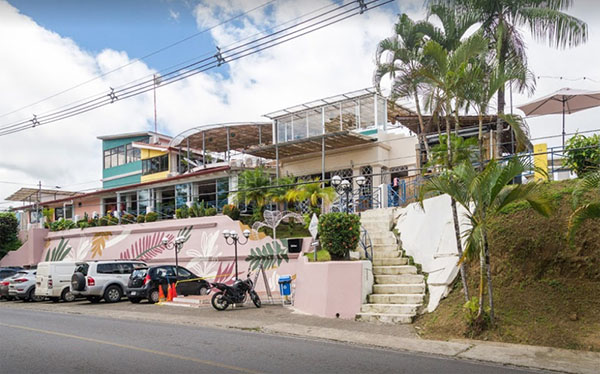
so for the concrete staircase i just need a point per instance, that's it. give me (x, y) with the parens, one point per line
(398, 291)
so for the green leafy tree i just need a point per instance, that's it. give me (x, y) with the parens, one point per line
(483, 194)
(279, 192)
(253, 187)
(314, 192)
(583, 154)
(339, 233)
(9, 229)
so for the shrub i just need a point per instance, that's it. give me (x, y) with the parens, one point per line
(182, 212)
(339, 233)
(212, 211)
(112, 220)
(93, 222)
(103, 221)
(9, 228)
(475, 324)
(231, 211)
(151, 217)
(83, 224)
(141, 218)
(197, 210)
(62, 224)
(582, 154)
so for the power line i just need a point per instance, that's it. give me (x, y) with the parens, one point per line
(197, 67)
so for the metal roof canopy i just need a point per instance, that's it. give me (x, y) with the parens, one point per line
(322, 102)
(223, 137)
(333, 140)
(24, 193)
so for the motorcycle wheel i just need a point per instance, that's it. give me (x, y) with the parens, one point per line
(255, 299)
(219, 302)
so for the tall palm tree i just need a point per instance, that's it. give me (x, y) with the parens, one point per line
(501, 19)
(483, 194)
(399, 57)
(283, 185)
(585, 211)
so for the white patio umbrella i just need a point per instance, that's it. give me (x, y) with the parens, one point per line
(565, 101)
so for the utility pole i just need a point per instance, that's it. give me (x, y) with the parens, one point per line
(39, 199)
(155, 84)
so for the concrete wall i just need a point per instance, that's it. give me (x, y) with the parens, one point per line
(204, 252)
(332, 289)
(30, 252)
(428, 236)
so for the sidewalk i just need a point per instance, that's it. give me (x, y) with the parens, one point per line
(277, 319)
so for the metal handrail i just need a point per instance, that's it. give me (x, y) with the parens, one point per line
(365, 243)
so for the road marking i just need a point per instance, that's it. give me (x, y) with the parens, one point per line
(125, 346)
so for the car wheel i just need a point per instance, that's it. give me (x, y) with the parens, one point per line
(135, 300)
(153, 296)
(94, 299)
(67, 296)
(112, 294)
(203, 291)
(219, 302)
(30, 295)
(255, 299)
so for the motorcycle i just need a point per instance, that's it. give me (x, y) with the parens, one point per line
(235, 294)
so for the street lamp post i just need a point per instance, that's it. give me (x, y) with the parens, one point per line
(344, 187)
(176, 245)
(231, 237)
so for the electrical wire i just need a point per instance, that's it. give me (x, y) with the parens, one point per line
(222, 57)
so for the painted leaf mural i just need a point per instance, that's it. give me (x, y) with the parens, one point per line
(147, 247)
(99, 243)
(59, 252)
(267, 256)
(225, 274)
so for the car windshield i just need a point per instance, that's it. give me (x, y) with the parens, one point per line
(82, 268)
(139, 273)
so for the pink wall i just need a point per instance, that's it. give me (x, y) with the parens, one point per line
(327, 288)
(204, 252)
(87, 206)
(30, 252)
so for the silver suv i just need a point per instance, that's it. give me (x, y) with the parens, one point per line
(97, 280)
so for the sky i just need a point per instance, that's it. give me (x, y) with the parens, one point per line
(50, 46)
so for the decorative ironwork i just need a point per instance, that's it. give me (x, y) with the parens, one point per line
(365, 243)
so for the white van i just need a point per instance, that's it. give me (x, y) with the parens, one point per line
(53, 280)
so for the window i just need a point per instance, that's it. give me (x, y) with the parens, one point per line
(69, 212)
(155, 164)
(107, 159)
(58, 213)
(107, 269)
(184, 273)
(120, 155)
(133, 154)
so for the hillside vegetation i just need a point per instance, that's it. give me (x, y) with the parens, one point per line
(546, 292)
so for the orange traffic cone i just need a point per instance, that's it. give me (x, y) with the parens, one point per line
(174, 290)
(161, 294)
(170, 293)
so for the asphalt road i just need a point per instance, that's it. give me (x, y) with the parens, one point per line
(46, 342)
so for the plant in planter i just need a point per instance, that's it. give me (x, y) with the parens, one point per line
(103, 221)
(141, 218)
(182, 212)
(339, 234)
(212, 211)
(231, 211)
(151, 217)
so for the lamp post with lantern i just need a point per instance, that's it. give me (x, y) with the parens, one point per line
(176, 245)
(232, 237)
(343, 187)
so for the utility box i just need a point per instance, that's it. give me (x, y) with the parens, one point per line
(294, 245)
(285, 285)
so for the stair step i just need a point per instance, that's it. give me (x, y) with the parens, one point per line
(390, 308)
(406, 288)
(399, 279)
(381, 235)
(397, 298)
(394, 270)
(383, 240)
(385, 247)
(385, 318)
(392, 261)
(386, 254)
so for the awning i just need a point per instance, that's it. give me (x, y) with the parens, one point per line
(226, 136)
(333, 140)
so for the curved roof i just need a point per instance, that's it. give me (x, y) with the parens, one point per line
(221, 137)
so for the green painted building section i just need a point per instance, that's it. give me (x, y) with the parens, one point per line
(125, 169)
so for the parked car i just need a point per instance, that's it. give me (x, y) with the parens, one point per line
(22, 286)
(53, 280)
(5, 274)
(145, 281)
(97, 280)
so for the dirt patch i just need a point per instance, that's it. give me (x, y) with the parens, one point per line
(546, 292)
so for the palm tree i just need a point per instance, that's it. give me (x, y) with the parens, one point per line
(585, 211)
(253, 186)
(282, 186)
(314, 193)
(447, 73)
(400, 57)
(500, 21)
(483, 194)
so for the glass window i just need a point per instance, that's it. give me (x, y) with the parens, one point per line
(107, 159)
(299, 125)
(381, 111)
(143, 198)
(114, 160)
(107, 269)
(282, 128)
(125, 268)
(82, 268)
(58, 213)
(367, 112)
(315, 122)
(155, 164)
(181, 195)
(120, 155)
(332, 118)
(349, 110)
(184, 273)
(69, 212)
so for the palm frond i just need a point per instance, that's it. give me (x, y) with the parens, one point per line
(558, 28)
(581, 214)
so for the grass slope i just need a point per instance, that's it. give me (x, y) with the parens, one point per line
(545, 292)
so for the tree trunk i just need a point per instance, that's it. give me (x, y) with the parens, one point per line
(481, 281)
(488, 271)
(463, 270)
(480, 141)
(423, 133)
(501, 94)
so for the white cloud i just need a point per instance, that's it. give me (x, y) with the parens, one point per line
(174, 15)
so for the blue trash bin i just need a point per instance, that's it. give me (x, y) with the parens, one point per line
(285, 285)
